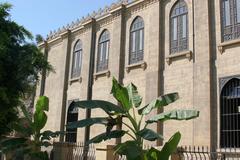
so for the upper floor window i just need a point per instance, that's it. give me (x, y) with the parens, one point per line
(230, 19)
(77, 60)
(103, 51)
(179, 27)
(136, 41)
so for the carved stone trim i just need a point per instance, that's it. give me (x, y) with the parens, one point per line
(65, 34)
(222, 47)
(121, 6)
(106, 73)
(142, 65)
(79, 79)
(42, 44)
(139, 5)
(224, 80)
(185, 54)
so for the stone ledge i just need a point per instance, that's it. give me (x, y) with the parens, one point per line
(71, 81)
(222, 47)
(142, 65)
(184, 54)
(101, 74)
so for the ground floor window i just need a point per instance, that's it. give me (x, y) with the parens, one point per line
(72, 116)
(230, 114)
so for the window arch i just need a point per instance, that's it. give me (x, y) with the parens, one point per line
(179, 27)
(72, 116)
(230, 114)
(230, 19)
(103, 51)
(77, 59)
(136, 40)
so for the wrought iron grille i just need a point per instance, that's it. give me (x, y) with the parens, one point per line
(72, 116)
(72, 151)
(230, 115)
(136, 41)
(179, 27)
(230, 19)
(102, 65)
(136, 57)
(204, 153)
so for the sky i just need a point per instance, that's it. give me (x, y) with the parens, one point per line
(42, 16)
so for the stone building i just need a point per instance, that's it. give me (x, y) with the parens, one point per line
(186, 46)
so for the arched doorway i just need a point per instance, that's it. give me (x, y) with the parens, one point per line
(72, 116)
(230, 114)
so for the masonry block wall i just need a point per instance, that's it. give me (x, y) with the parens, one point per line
(194, 73)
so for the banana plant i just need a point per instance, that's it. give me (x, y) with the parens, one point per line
(29, 138)
(138, 131)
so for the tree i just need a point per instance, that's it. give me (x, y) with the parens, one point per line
(20, 65)
(30, 139)
(130, 105)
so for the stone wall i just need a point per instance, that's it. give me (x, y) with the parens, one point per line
(194, 73)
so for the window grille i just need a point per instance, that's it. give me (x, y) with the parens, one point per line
(230, 19)
(136, 41)
(179, 27)
(103, 51)
(230, 115)
(77, 60)
(72, 116)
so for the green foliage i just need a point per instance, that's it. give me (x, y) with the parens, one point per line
(130, 102)
(106, 136)
(131, 149)
(20, 65)
(158, 103)
(108, 107)
(39, 38)
(174, 115)
(149, 134)
(87, 122)
(28, 128)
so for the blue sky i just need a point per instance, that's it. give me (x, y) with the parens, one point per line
(41, 16)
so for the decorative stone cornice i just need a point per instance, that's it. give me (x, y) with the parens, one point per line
(142, 65)
(139, 5)
(185, 54)
(43, 44)
(223, 46)
(108, 10)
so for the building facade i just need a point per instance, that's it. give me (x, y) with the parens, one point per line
(186, 46)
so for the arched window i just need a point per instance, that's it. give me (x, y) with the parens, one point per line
(72, 116)
(136, 41)
(103, 51)
(77, 60)
(230, 114)
(230, 19)
(179, 27)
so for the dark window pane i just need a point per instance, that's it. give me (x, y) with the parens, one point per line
(72, 116)
(133, 42)
(77, 60)
(103, 52)
(141, 40)
(238, 11)
(184, 28)
(175, 26)
(179, 27)
(230, 115)
(136, 41)
(230, 19)
(227, 13)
